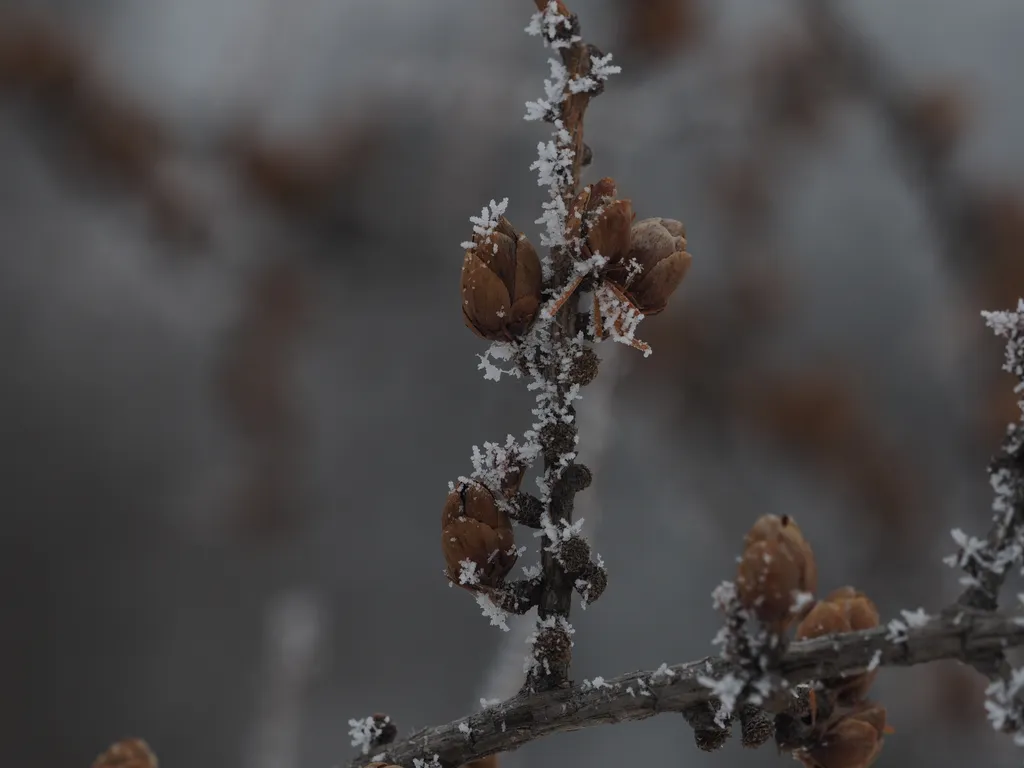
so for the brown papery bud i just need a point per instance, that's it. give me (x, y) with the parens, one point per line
(501, 284)
(776, 568)
(844, 610)
(127, 753)
(476, 538)
(853, 740)
(601, 222)
(656, 264)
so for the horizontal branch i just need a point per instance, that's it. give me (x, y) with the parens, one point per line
(971, 636)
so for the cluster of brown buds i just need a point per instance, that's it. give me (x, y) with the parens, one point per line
(833, 725)
(850, 735)
(632, 268)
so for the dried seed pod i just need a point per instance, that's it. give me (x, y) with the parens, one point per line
(501, 284)
(777, 566)
(844, 610)
(658, 247)
(853, 740)
(476, 538)
(127, 753)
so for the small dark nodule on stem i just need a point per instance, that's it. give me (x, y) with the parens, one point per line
(575, 555)
(585, 367)
(707, 734)
(557, 440)
(552, 651)
(526, 510)
(588, 156)
(518, 597)
(758, 727)
(577, 477)
(592, 583)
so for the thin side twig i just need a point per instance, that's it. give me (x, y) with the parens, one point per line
(967, 635)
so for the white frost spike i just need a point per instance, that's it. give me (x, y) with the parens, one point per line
(727, 690)
(363, 732)
(498, 617)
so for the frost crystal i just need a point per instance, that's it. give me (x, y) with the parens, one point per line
(1003, 705)
(498, 617)
(364, 731)
(485, 224)
(727, 690)
(468, 572)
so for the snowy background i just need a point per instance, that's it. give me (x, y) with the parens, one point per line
(237, 381)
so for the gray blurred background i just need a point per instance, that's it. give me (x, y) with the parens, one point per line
(236, 380)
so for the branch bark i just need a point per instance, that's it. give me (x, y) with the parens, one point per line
(964, 634)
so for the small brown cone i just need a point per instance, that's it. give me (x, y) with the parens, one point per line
(777, 565)
(658, 246)
(853, 740)
(127, 753)
(475, 529)
(501, 284)
(844, 610)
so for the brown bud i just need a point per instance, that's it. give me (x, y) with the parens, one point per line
(844, 610)
(501, 284)
(659, 248)
(776, 566)
(475, 529)
(600, 221)
(853, 740)
(127, 753)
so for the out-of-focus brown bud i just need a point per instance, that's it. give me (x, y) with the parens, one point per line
(658, 246)
(776, 568)
(853, 740)
(476, 538)
(844, 610)
(491, 761)
(501, 284)
(127, 753)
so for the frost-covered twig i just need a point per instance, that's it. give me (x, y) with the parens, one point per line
(578, 76)
(966, 634)
(988, 562)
